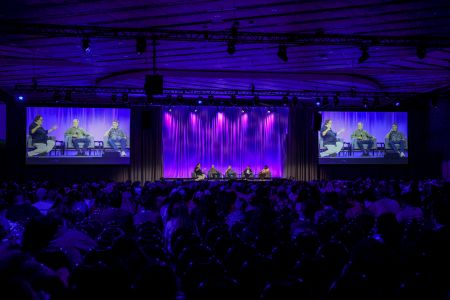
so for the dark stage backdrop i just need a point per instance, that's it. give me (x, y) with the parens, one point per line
(302, 147)
(226, 137)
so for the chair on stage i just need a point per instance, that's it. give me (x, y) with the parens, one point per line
(68, 143)
(355, 146)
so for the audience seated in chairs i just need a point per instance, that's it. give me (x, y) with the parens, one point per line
(245, 240)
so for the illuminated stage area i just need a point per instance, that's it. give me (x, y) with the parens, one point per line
(254, 137)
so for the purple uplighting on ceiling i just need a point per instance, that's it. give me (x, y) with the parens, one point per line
(228, 137)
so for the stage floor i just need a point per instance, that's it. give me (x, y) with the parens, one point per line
(220, 179)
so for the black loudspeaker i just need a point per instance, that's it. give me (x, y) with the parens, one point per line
(317, 121)
(146, 120)
(153, 84)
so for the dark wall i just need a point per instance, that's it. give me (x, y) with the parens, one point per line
(439, 133)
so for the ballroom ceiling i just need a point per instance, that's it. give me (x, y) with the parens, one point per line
(43, 57)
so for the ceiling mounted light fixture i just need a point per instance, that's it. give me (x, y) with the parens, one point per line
(364, 54)
(282, 53)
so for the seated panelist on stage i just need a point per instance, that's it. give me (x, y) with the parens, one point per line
(40, 138)
(198, 173)
(213, 173)
(115, 134)
(248, 173)
(363, 137)
(230, 173)
(78, 135)
(265, 173)
(396, 140)
(330, 140)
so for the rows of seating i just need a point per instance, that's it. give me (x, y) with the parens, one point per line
(235, 176)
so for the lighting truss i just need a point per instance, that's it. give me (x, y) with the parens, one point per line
(213, 92)
(52, 30)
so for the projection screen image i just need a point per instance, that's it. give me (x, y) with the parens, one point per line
(73, 135)
(363, 138)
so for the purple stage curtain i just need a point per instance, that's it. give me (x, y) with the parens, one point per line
(221, 138)
(96, 121)
(377, 124)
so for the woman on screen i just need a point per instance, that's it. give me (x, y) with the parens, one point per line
(330, 140)
(39, 137)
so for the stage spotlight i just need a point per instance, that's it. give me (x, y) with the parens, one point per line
(86, 45)
(243, 110)
(68, 96)
(200, 100)
(282, 53)
(365, 102)
(364, 54)
(231, 47)
(336, 100)
(397, 103)
(318, 101)
(269, 111)
(20, 98)
(170, 109)
(141, 45)
(285, 100)
(421, 51)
